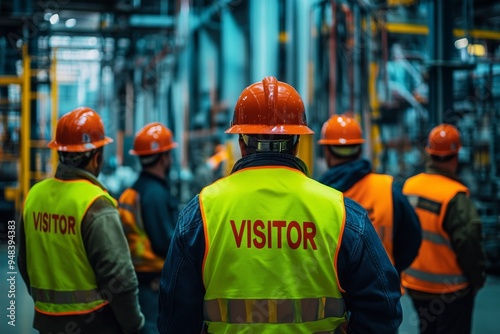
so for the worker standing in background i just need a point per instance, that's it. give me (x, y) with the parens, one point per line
(149, 213)
(269, 250)
(392, 215)
(450, 268)
(73, 255)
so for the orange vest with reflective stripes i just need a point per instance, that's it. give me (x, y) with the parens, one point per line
(271, 249)
(435, 269)
(143, 257)
(374, 193)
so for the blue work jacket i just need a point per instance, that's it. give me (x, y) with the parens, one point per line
(371, 284)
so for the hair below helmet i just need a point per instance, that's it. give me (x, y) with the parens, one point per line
(269, 107)
(443, 140)
(341, 130)
(80, 130)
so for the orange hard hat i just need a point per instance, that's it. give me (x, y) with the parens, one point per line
(80, 130)
(443, 140)
(269, 107)
(153, 138)
(341, 130)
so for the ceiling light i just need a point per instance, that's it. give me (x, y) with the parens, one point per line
(70, 23)
(461, 43)
(54, 19)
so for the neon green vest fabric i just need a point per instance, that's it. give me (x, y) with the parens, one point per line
(62, 280)
(271, 249)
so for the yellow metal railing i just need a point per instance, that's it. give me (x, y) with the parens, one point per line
(26, 175)
(419, 29)
(25, 161)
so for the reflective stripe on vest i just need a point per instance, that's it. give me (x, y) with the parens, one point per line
(141, 251)
(374, 193)
(282, 311)
(436, 238)
(58, 266)
(276, 241)
(435, 269)
(436, 278)
(65, 297)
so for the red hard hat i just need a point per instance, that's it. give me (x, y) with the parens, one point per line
(341, 130)
(153, 138)
(80, 130)
(269, 107)
(443, 140)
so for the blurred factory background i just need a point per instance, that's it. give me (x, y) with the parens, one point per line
(399, 66)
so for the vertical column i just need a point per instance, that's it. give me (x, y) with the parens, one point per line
(264, 38)
(441, 73)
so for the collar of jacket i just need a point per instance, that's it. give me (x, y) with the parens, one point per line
(270, 159)
(149, 176)
(343, 176)
(430, 168)
(65, 172)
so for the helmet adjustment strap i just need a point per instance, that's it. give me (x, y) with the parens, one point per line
(266, 145)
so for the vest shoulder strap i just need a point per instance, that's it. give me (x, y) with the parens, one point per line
(129, 207)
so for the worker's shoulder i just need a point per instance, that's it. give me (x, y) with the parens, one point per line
(190, 216)
(355, 215)
(102, 204)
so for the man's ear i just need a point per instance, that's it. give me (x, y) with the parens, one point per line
(97, 158)
(243, 147)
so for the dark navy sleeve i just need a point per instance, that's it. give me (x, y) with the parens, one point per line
(371, 284)
(181, 285)
(407, 233)
(159, 212)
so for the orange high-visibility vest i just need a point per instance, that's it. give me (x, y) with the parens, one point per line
(270, 258)
(143, 257)
(374, 193)
(435, 269)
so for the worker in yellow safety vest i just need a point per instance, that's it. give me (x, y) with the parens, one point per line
(267, 249)
(149, 212)
(390, 212)
(450, 267)
(73, 254)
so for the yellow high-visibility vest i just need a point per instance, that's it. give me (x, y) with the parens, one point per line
(62, 280)
(272, 238)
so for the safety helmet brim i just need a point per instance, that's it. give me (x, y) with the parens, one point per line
(442, 153)
(149, 152)
(79, 147)
(285, 129)
(341, 141)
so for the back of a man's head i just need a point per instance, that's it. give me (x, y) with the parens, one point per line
(79, 137)
(269, 116)
(343, 137)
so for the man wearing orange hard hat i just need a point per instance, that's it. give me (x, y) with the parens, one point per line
(149, 214)
(267, 249)
(73, 254)
(450, 266)
(390, 212)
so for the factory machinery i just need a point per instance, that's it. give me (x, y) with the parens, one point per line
(400, 67)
